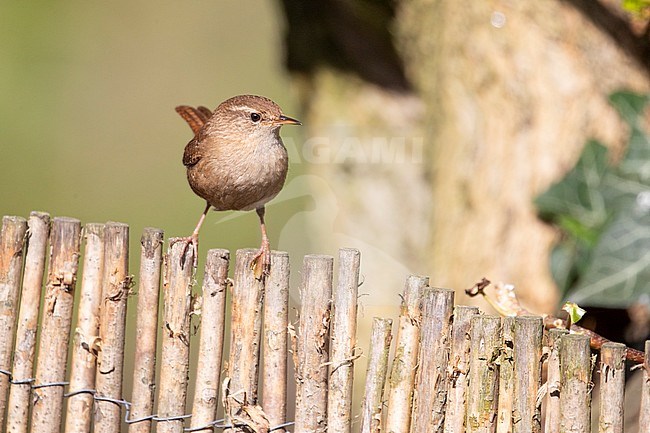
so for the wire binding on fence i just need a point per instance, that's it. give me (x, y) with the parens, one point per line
(216, 424)
(428, 343)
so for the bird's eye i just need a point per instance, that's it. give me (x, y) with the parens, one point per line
(255, 117)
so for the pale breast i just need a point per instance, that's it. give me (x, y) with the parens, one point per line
(240, 178)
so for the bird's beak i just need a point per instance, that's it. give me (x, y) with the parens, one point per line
(286, 120)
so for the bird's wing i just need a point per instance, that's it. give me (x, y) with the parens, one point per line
(205, 111)
(195, 117)
(192, 153)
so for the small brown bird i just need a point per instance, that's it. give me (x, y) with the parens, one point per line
(237, 161)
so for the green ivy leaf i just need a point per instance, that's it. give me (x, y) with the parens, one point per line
(579, 195)
(568, 261)
(630, 105)
(619, 272)
(575, 312)
(636, 162)
(604, 214)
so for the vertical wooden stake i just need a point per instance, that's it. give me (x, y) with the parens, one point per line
(276, 321)
(483, 374)
(146, 329)
(55, 328)
(175, 357)
(458, 369)
(552, 424)
(12, 239)
(506, 376)
(528, 357)
(213, 312)
(85, 345)
(402, 374)
(343, 342)
(431, 380)
(612, 387)
(30, 303)
(644, 412)
(116, 285)
(373, 401)
(245, 339)
(575, 376)
(312, 344)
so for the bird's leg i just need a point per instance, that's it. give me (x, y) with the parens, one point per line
(261, 264)
(193, 239)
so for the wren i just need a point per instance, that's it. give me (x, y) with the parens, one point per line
(236, 161)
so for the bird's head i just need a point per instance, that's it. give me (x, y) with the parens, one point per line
(251, 115)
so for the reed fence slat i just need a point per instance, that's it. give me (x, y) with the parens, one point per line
(458, 369)
(506, 376)
(146, 329)
(175, 356)
(612, 385)
(453, 370)
(644, 411)
(213, 316)
(373, 398)
(575, 380)
(430, 393)
(55, 325)
(274, 346)
(116, 286)
(30, 303)
(343, 342)
(402, 374)
(553, 408)
(245, 340)
(12, 240)
(527, 377)
(312, 346)
(85, 345)
(482, 402)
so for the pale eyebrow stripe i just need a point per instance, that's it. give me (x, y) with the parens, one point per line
(241, 108)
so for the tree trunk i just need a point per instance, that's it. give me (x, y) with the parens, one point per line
(505, 95)
(512, 89)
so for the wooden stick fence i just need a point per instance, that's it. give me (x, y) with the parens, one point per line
(453, 369)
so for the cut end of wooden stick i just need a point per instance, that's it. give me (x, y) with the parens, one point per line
(218, 254)
(39, 214)
(349, 254)
(13, 219)
(151, 239)
(318, 257)
(67, 220)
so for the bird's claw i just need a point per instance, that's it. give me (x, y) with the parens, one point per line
(261, 263)
(189, 240)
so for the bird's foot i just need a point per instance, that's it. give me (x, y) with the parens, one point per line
(192, 240)
(261, 264)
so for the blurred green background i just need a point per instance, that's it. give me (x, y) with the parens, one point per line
(87, 121)
(88, 127)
